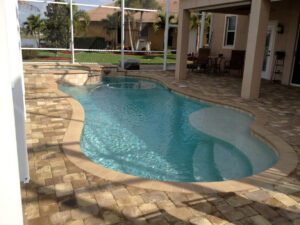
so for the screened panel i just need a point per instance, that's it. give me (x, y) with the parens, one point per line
(96, 28)
(97, 36)
(145, 4)
(46, 56)
(97, 31)
(31, 16)
(106, 57)
(144, 38)
(44, 25)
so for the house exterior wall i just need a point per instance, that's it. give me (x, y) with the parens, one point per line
(156, 38)
(285, 12)
(95, 29)
(217, 43)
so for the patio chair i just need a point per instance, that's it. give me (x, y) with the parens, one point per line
(236, 62)
(202, 60)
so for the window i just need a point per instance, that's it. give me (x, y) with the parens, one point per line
(170, 36)
(145, 32)
(230, 30)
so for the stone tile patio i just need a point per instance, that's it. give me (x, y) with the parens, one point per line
(61, 193)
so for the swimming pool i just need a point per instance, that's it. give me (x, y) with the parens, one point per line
(138, 127)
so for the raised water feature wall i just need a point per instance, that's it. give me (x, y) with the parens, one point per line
(48, 75)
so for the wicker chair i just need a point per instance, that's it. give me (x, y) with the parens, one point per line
(236, 62)
(202, 60)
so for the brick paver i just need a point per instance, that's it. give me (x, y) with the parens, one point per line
(61, 193)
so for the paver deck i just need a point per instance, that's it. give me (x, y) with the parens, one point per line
(62, 193)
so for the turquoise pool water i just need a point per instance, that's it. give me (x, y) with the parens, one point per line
(138, 127)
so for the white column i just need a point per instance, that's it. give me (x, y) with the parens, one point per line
(166, 34)
(210, 28)
(182, 43)
(122, 32)
(17, 84)
(10, 195)
(202, 29)
(257, 34)
(72, 31)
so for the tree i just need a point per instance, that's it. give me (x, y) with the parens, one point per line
(57, 32)
(195, 22)
(161, 23)
(81, 21)
(34, 26)
(146, 4)
(111, 23)
(129, 17)
(57, 25)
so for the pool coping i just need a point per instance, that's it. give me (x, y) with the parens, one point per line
(286, 163)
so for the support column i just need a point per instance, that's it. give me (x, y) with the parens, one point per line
(10, 194)
(182, 43)
(122, 32)
(72, 31)
(202, 29)
(166, 35)
(210, 29)
(257, 33)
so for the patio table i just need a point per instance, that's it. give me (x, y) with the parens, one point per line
(215, 62)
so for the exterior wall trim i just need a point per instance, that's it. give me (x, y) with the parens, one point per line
(208, 5)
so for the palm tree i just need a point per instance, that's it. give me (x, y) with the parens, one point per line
(146, 4)
(161, 23)
(111, 23)
(34, 26)
(129, 17)
(195, 22)
(81, 21)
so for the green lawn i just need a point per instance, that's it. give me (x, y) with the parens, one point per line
(99, 57)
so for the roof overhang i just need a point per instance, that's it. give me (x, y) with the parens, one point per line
(220, 6)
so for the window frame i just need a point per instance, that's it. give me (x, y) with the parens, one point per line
(226, 31)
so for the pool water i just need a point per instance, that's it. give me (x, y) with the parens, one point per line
(138, 127)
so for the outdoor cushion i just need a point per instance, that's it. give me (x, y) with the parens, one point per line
(131, 64)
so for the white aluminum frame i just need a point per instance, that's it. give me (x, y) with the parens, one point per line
(72, 31)
(122, 32)
(122, 8)
(203, 15)
(166, 35)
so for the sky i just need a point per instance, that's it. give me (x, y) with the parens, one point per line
(25, 11)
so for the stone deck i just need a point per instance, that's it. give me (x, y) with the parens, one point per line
(62, 193)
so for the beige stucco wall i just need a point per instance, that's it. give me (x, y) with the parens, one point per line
(286, 13)
(96, 29)
(217, 44)
(156, 38)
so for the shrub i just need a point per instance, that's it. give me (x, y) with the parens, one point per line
(29, 54)
(89, 42)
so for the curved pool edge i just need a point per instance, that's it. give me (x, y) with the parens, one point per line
(286, 163)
